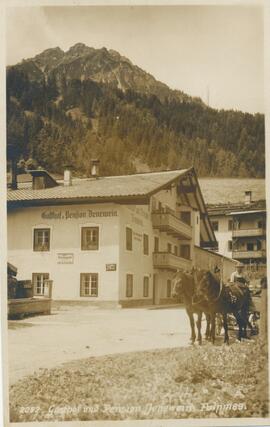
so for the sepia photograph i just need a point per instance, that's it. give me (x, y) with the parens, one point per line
(135, 214)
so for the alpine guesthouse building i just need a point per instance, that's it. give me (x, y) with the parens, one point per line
(116, 239)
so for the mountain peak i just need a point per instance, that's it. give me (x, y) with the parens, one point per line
(79, 49)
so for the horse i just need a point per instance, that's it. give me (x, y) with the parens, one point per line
(184, 285)
(224, 299)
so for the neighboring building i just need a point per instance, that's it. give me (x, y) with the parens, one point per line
(117, 239)
(240, 229)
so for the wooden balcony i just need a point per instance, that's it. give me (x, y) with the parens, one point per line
(169, 261)
(168, 222)
(249, 254)
(249, 232)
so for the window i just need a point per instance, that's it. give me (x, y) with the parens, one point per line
(89, 285)
(175, 250)
(215, 225)
(185, 217)
(169, 288)
(250, 246)
(260, 224)
(39, 282)
(146, 286)
(145, 244)
(156, 244)
(185, 251)
(42, 239)
(259, 245)
(169, 247)
(129, 285)
(229, 245)
(230, 224)
(89, 238)
(128, 239)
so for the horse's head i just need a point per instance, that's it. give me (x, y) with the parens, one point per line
(202, 285)
(183, 284)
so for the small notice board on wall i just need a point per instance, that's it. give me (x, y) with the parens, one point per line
(65, 258)
(110, 267)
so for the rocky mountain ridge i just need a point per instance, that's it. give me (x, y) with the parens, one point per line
(101, 65)
(66, 107)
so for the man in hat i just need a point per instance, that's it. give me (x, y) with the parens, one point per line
(238, 275)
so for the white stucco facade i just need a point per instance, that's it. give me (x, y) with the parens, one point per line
(65, 260)
(113, 239)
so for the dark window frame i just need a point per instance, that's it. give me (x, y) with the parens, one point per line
(250, 246)
(156, 244)
(34, 281)
(129, 239)
(129, 285)
(169, 288)
(215, 225)
(89, 246)
(146, 282)
(185, 251)
(145, 244)
(41, 247)
(83, 293)
(185, 216)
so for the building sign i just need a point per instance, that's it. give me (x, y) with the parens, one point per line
(110, 267)
(137, 236)
(141, 211)
(67, 214)
(65, 258)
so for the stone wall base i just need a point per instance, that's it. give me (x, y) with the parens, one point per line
(58, 304)
(135, 303)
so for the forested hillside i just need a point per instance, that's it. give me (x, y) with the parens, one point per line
(66, 108)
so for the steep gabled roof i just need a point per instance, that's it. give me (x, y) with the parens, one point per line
(137, 185)
(136, 188)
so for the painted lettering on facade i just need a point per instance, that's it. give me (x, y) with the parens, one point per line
(89, 213)
(137, 236)
(139, 210)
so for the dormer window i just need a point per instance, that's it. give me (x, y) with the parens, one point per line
(41, 179)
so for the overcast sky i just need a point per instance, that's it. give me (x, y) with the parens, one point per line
(190, 48)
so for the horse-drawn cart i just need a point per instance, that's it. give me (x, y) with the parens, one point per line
(253, 318)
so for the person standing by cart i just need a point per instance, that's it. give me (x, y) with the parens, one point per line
(239, 278)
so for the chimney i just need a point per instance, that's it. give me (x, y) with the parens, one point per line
(95, 168)
(248, 197)
(67, 178)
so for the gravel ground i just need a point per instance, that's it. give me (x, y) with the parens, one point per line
(194, 382)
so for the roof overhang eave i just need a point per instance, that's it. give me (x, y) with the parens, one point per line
(136, 199)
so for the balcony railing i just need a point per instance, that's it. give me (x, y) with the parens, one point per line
(249, 232)
(237, 254)
(167, 260)
(167, 221)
